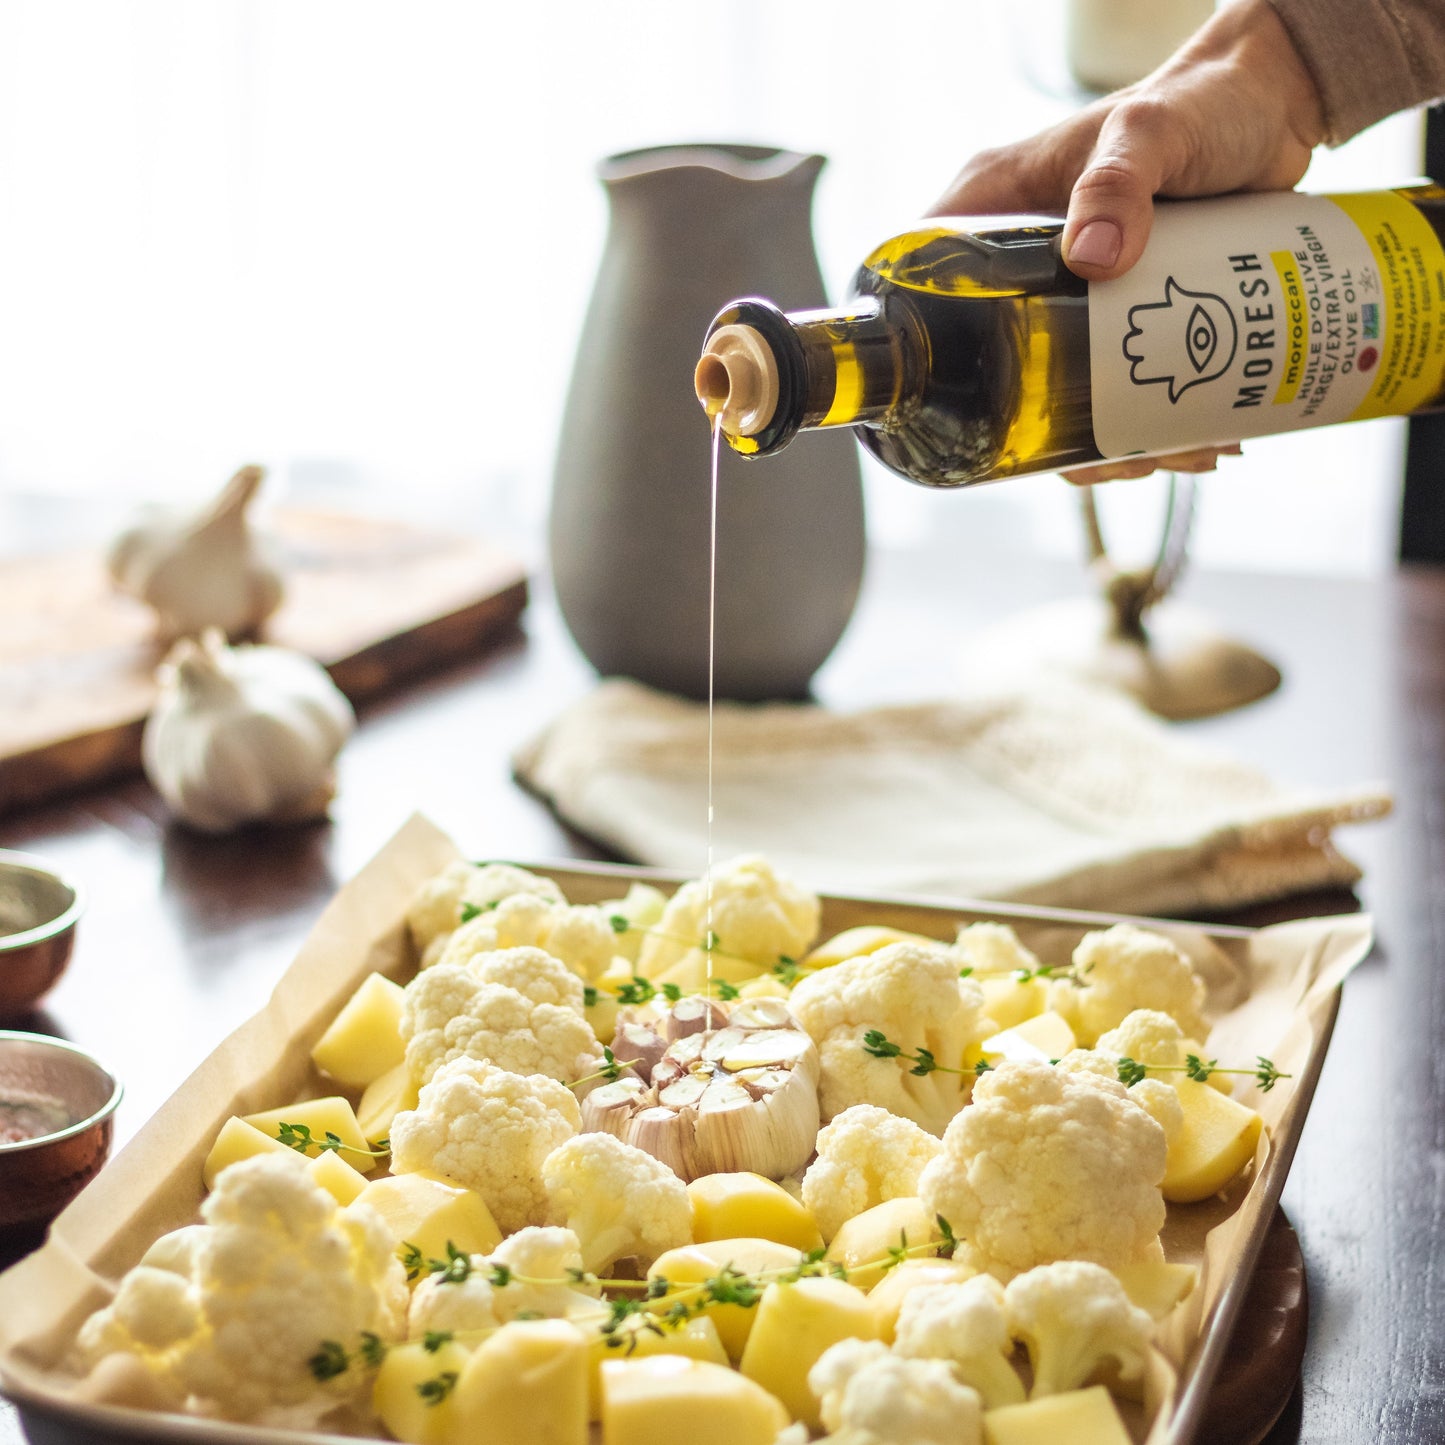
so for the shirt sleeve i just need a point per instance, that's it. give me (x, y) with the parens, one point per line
(1369, 58)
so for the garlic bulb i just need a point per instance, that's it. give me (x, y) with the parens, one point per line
(200, 570)
(241, 734)
(729, 1091)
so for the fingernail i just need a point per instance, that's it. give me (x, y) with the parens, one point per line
(1097, 244)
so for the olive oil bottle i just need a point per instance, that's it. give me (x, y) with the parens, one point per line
(970, 352)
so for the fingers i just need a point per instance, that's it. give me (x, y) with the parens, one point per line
(1111, 208)
(1126, 469)
(1201, 459)
(1031, 175)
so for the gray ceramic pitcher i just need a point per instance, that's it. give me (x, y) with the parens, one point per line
(691, 228)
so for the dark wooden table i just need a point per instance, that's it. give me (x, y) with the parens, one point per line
(185, 935)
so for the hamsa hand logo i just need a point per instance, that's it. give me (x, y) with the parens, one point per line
(1187, 338)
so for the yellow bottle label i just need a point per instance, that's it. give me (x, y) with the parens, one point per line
(1250, 315)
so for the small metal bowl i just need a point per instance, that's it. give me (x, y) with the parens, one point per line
(38, 914)
(40, 1176)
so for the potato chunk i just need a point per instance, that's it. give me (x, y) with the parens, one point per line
(795, 1324)
(666, 1399)
(332, 1115)
(1082, 1417)
(738, 1206)
(364, 1039)
(430, 1212)
(1217, 1140)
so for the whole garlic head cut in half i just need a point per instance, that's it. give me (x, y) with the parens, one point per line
(731, 1091)
(199, 570)
(243, 734)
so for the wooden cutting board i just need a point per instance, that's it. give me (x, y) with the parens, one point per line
(374, 601)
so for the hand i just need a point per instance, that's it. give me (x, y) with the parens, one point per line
(1234, 109)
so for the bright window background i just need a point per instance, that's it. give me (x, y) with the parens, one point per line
(355, 240)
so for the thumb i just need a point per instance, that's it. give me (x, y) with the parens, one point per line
(1111, 208)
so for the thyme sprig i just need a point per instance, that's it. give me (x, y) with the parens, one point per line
(651, 1306)
(300, 1138)
(1052, 972)
(710, 942)
(612, 1068)
(877, 1043)
(1130, 1071)
(1264, 1073)
(639, 990)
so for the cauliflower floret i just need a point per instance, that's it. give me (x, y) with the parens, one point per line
(490, 1130)
(1149, 1037)
(1048, 1164)
(1161, 1104)
(910, 993)
(462, 1011)
(577, 935)
(866, 1156)
(964, 1324)
(620, 1202)
(993, 948)
(1126, 968)
(176, 1251)
(444, 902)
(442, 1302)
(535, 1273)
(153, 1311)
(757, 915)
(280, 1275)
(1072, 1317)
(870, 1396)
(539, 1266)
(542, 1253)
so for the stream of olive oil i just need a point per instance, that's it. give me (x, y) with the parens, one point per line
(711, 677)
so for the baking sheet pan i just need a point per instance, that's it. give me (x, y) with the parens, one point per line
(1272, 991)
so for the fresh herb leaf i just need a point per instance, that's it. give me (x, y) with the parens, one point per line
(433, 1340)
(923, 1062)
(877, 1043)
(455, 1269)
(950, 1240)
(638, 991)
(435, 1391)
(1130, 1072)
(329, 1361)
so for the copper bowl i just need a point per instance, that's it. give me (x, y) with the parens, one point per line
(38, 914)
(40, 1176)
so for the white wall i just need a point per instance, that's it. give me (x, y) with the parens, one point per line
(353, 239)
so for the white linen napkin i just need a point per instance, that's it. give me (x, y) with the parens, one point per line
(1060, 794)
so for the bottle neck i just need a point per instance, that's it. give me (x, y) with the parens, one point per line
(766, 375)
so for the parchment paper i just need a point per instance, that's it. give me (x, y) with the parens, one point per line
(1271, 992)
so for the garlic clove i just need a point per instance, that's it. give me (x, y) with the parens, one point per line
(201, 570)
